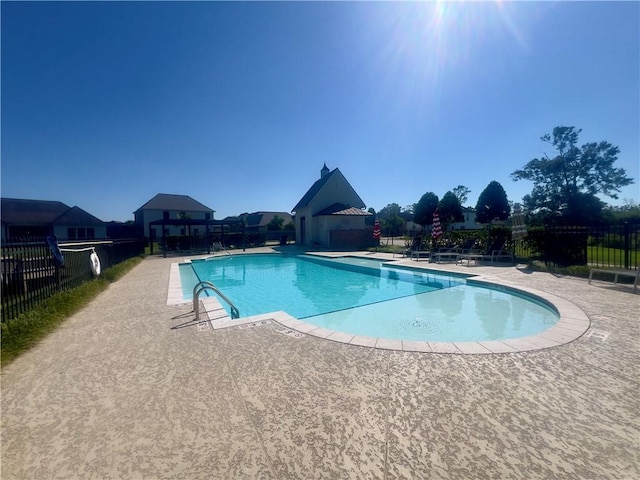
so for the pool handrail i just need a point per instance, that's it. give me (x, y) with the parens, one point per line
(204, 285)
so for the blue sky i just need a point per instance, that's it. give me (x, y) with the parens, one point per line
(239, 105)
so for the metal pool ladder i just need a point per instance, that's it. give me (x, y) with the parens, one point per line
(201, 287)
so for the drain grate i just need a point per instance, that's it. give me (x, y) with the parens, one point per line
(598, 334)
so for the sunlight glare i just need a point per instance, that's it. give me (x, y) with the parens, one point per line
(428, 44)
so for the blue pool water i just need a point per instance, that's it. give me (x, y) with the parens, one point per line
(371, 298)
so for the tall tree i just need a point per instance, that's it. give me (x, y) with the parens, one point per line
(450, 210)
(390, 210)
(392, 222)
(423, 213)
(462, 194)
(561, 182)
(492, 204)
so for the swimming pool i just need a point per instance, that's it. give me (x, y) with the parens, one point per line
(373, 298)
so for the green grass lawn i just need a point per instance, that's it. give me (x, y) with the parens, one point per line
(610, 257)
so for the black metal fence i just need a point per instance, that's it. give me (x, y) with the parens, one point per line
(612, 246)
(30, 273)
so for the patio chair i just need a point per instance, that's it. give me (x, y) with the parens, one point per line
(501, 254)
(452, 253)
(493, 253)
(415, 250)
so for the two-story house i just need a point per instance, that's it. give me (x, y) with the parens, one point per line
(179, 208)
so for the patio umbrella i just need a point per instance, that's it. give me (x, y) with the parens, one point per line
(376, 229)
(437, 228)
(518, 228)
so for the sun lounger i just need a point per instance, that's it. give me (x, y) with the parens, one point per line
(451, 254)
(496, 252)
(418, 254)
(617, 273)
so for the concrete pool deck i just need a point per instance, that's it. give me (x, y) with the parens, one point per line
(131, 387)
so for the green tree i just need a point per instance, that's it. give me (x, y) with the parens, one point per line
(492, 204)
(391, 220)
(462, 194)
(449, 210)
(423, 213)
(560, 183)
(390, 210)
(275, 223)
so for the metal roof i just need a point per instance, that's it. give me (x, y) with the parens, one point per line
(342, 209)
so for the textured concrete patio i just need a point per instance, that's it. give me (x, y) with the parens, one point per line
(132, 388)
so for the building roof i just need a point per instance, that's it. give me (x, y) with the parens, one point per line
(318, 185)
(342, 209)
(75, 216)
(262, 219)
(166, 201)
(44, 212)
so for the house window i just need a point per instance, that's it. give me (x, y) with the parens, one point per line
(165, 215)
(82, 234)
(207, 216)
(71, 233)
(91, 233)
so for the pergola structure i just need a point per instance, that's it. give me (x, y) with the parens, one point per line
(189, 222)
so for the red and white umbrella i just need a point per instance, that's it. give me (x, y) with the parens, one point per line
(437, 228)
(376, 229)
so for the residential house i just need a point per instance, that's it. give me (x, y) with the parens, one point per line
(331, 214)
(179, 208)
(258, 222)
(35, 219)
(469, 222)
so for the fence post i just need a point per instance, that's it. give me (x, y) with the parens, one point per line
(627, 245)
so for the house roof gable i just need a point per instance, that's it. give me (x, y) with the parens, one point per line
(320, 184)
(76, 216)
(16, 211)
(166, 201)
(262, 219)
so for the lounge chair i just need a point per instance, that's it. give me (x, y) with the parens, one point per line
(452, 253)
(617, 273)
(495, 252)
(415, 250)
